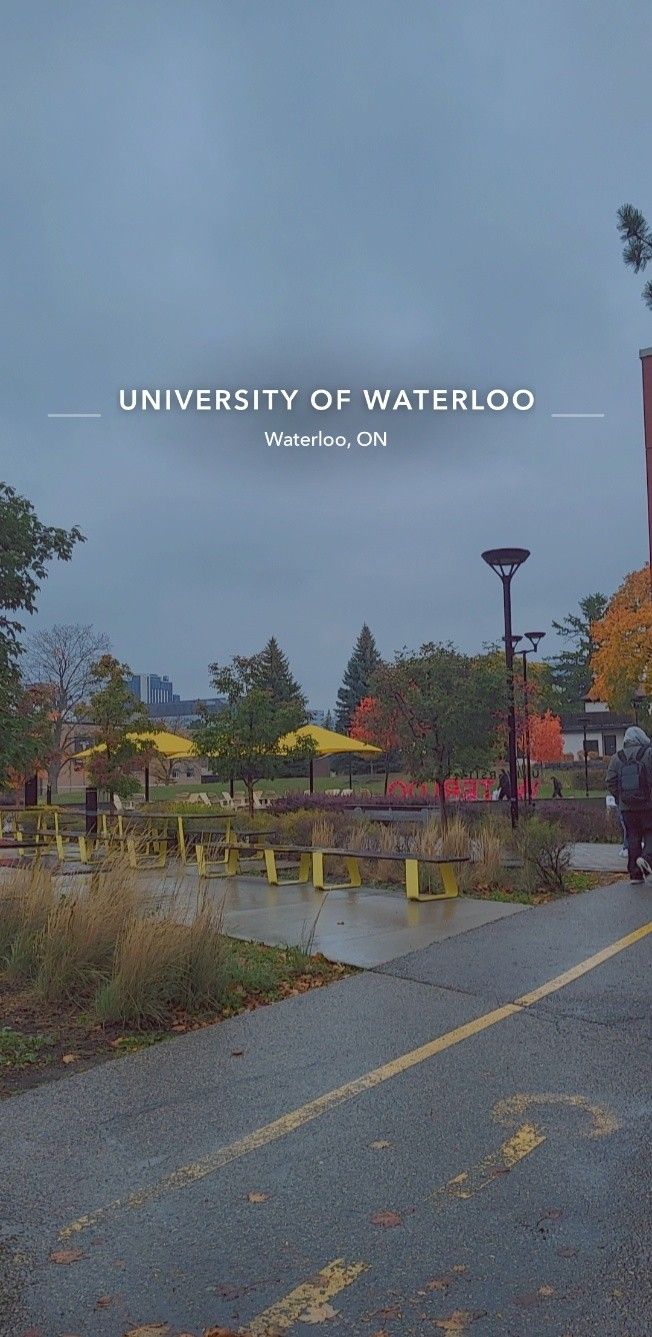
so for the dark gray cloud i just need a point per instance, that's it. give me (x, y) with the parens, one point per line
(305, 194)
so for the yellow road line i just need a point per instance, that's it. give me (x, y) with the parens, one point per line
(576, 972)
(313, 1109)
(466, 1185)
(601, 1122)
(288, 1123)
(303, 1303)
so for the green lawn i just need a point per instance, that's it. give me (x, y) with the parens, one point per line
(297, 784)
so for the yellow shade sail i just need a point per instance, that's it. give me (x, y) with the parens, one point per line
(326, 742)
(168, 744)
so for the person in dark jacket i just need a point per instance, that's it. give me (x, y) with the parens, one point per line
(634, 758)
(504, 786)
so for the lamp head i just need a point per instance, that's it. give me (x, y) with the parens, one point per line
(534, 637)
(505, 561)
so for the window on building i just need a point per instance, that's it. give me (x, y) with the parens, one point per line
(592, 746)
(609, 743)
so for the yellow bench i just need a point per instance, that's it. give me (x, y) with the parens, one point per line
(310, 855)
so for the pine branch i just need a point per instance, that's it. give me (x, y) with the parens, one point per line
(634, 231)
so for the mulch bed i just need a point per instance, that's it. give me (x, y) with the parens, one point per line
(74, 1043)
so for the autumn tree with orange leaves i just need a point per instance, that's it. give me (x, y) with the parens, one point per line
(622, 659)
(368, 726)
(546, 739)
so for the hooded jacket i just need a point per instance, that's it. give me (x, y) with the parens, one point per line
(634, 740)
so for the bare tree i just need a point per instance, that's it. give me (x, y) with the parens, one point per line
(61, 659)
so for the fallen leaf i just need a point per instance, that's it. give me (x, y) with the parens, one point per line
(318, 1313)
(66, 1256)
(459, 1320)
(69, 1058)
(546, 1291)
(460, 1267)
(529, 1300)
(237, 1053)
(148, 1330)
(257, 1197)
(104, 1301)
(380, 1146)
(386, 1219)
(219, 1332)
(440, 1283)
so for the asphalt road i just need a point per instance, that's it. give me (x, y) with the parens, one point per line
(418, 1149)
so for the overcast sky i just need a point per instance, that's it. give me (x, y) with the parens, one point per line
(323, 192)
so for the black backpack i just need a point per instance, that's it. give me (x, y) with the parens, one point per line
(633, 780)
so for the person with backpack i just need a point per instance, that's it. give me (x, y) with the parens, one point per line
(629, 779)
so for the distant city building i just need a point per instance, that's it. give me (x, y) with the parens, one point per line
(152, 689)
(184, 713)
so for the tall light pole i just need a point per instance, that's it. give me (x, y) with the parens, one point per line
(505, 562)
(586, 761)
(645, 355)
(533, 637)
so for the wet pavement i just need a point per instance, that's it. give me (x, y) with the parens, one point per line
(457, 1142)
(592, 857)
(365, 927)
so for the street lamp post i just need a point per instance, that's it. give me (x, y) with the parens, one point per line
(638, 699)
(533, 637)
(505, 562)
(586, 761)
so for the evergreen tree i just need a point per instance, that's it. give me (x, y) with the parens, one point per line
(637, 251)
(356, 683)
(571, 669)
(273, 675)
(328, 721)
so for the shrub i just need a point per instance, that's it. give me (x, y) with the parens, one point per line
(545, 851)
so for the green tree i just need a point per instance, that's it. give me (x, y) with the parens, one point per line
(26, 548)
(243, 737)
(356, 683)
(274, 675)
(444, 710)
(571, 668)
(118, 715)
(328, 720)
(637, 251)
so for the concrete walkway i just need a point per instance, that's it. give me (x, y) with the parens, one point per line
(360, 928)
(590, 857)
